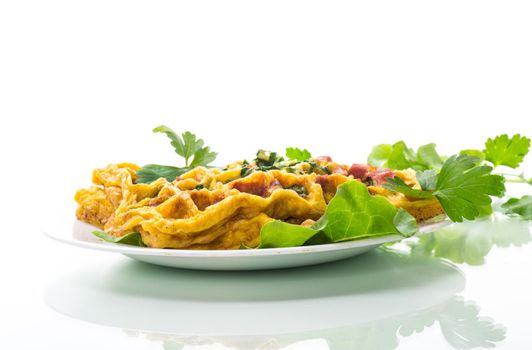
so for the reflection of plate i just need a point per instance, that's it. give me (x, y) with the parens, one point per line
(376, 286)
(367, 302)
(252, 259)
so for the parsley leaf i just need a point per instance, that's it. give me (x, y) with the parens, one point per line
(396, 184)
(503, 150)
(176, 141)
(298, 154)
(203, 156)
(152, 172)
(464, 188)
(400, 156)
(191, 145)
(474, 153)
(427, 179)
(427, 156)
(379, 154)
(187, 145)
(520, 206)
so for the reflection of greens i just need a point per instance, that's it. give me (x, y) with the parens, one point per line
(459, 322)
(520, 206)
(470, 242)
(168, 345)
(455, 245)
(352, 214)
(132, 238)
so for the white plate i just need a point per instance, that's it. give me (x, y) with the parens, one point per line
(252, 259)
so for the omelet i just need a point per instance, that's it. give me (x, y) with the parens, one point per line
(213, 208)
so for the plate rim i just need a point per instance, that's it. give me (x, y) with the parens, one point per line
(230, 253)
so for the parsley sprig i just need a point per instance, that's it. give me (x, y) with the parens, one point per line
(186, 145)
(463, 183)
(399, 156)
(301, 155)
(463, 188)
(503, 150)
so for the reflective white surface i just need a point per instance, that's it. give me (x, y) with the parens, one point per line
(381, 300)
(83, 83)
(267, 303)
(465, 286)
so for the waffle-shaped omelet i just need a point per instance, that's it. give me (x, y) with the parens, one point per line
(211, 208)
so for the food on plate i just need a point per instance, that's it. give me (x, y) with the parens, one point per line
(277, 201)
(211, 208)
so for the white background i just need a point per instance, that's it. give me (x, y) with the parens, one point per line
(82, 83)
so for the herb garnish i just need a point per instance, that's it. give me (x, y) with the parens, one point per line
(461, 183)
(187, 146)
(399, 156)
(465, 183)
(299, 189)
(462, 187)
(503, 150)
(298, 154)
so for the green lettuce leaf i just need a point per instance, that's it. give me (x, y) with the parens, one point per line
(133, 238)
(280, 234)
(353, 213)
(405, 223)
